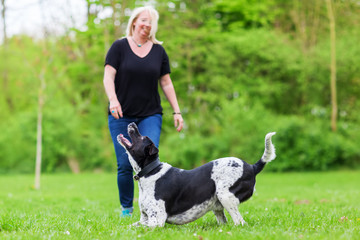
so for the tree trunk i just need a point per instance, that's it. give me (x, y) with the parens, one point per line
(40, 108)
(5, 75)
(334, 107)
(39, 131)
(3, 11)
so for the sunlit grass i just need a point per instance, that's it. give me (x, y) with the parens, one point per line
(85, 206)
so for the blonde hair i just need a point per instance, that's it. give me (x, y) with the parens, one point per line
(154, 22)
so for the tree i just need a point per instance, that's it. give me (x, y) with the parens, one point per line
(40, 113)
(334, 108)
(3, 11)
(5, 72)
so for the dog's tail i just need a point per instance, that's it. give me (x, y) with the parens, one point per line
(268, 156)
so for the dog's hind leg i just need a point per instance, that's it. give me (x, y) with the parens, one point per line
(235, 215)
(230, 203)
(220, 216)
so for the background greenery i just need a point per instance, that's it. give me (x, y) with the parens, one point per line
(240, 68)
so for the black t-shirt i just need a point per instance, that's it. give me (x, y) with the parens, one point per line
(136, 80)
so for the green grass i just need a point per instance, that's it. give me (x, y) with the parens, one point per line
(85, 206)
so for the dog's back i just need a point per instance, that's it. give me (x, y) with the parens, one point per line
(176, 187)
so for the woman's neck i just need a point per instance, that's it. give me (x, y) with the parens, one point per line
(139, 39)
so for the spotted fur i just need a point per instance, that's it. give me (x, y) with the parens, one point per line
(177, 196)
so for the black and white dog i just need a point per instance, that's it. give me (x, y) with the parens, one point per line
(177, 196)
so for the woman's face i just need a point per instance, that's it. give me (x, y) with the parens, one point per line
(142, 25)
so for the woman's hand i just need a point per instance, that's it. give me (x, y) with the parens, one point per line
(115, 109)
(178, 121)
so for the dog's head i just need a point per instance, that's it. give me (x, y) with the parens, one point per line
(141, 149)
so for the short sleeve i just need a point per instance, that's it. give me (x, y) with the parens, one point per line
(165, 65)
(113, 55)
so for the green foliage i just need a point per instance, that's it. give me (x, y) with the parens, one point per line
(304, 145)
(245, 13)
(240, 69)
(18, 143)
(301, 145)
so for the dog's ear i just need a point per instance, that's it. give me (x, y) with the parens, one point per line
(152, 149)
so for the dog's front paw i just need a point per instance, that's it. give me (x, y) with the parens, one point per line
(137, 224)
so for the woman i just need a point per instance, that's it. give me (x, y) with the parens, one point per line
(134, 66)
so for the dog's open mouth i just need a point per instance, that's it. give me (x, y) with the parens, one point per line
(124, 141)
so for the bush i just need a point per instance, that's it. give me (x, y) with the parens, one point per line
(301, 143)
(18, 143)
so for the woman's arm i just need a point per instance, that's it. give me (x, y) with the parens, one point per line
(109, 85)
(169, 91)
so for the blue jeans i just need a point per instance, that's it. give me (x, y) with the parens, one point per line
(148, 126)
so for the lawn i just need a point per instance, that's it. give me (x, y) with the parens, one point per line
(85, 206)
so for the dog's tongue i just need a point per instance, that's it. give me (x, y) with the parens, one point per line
(125, 141)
